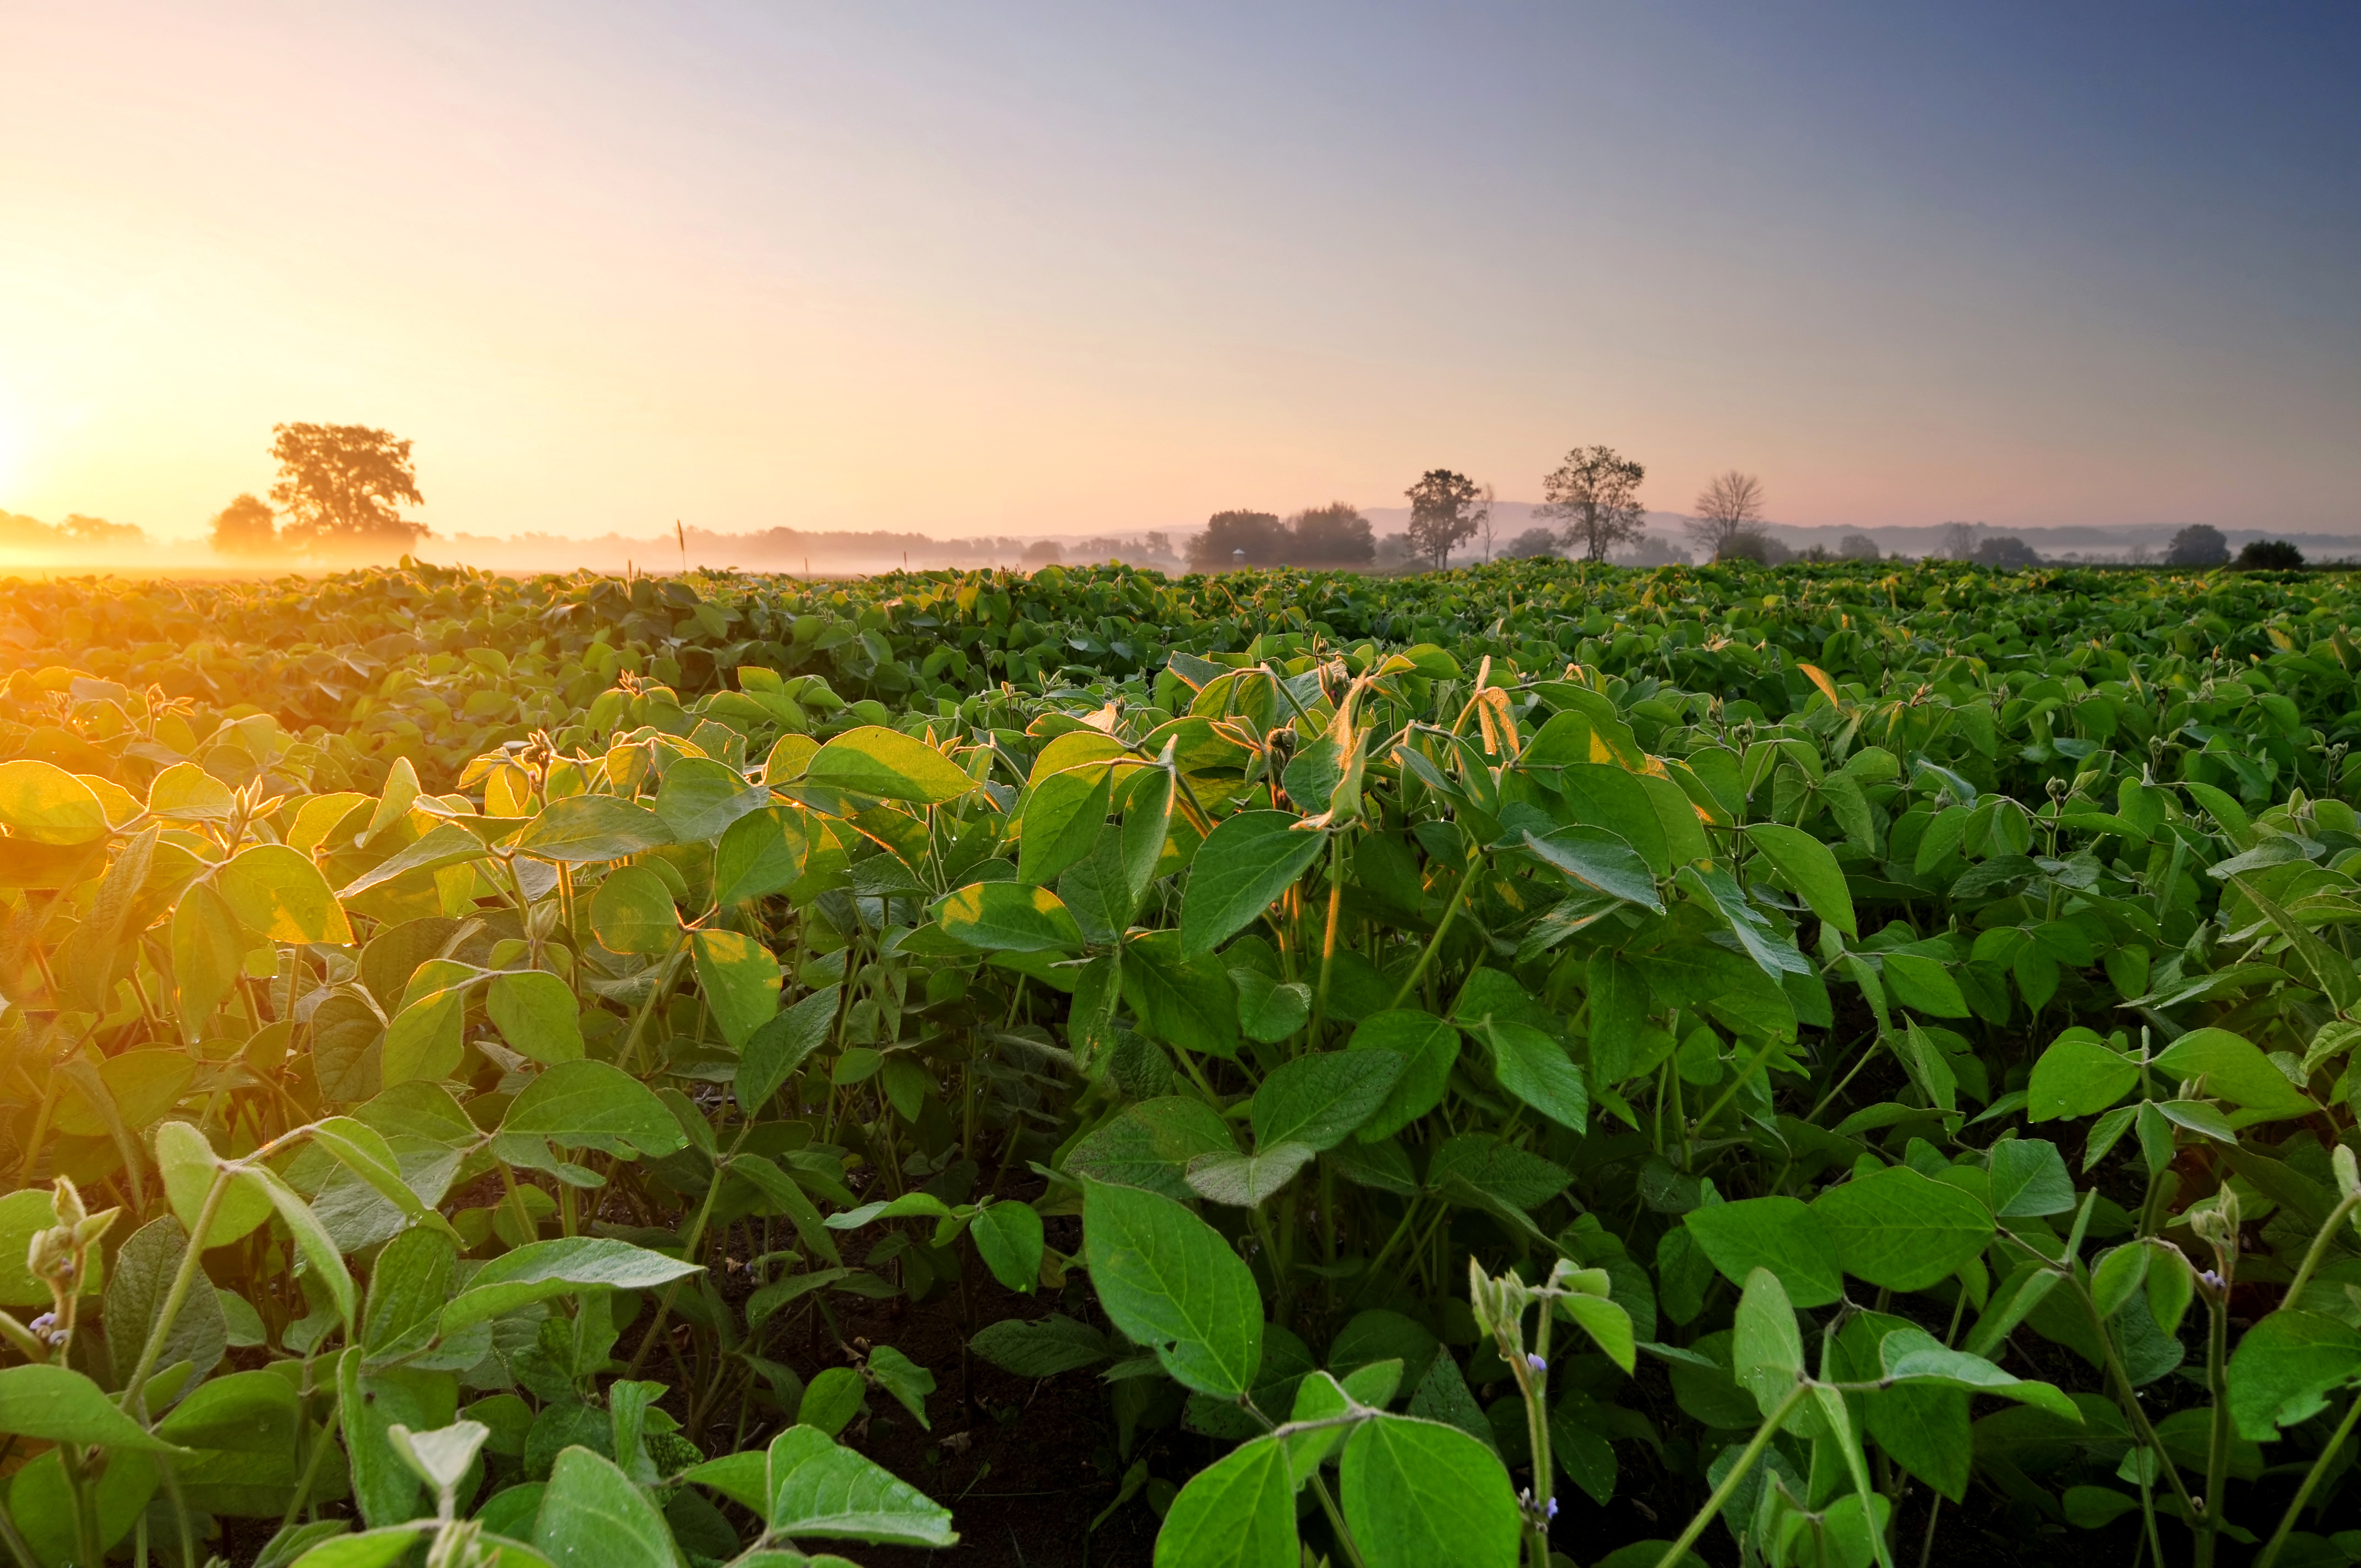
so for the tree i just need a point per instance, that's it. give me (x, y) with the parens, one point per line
(1484, 523)
(1444, 513)
(1730, 506)
(1333, 535)
(1859, 547)
(1956, 541)
(1597, 494)
(245, 527)
(2270, 556)
(1753, 544)
(338, 484)
(1043, 552)
(1239, 539)
(1531, 542)
(2004, 551)
(2199, 544)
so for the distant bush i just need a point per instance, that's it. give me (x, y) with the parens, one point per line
(2270, 556)
(2005, 552)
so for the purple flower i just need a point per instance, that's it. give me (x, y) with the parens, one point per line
(1535, 1362)
(2210, 1280)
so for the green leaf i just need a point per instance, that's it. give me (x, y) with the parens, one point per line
(1007, 916)
(1240, 870)
(763, 853)
(1608, 1324)
(1902, 1231)
(830, 1400)
(141, 1279)
(1008, 1238)
(1914, 1355)
(579, 828)
(1429, 1048)
(424, 1041)
(207, 951)
(2077, 1076)
(875, 760)
(1601, 861)
(1189, 1003)
(319, 1248)
(632, 912)
(1270, 1010)
(817, 1489)
(188, 1164)
(1922, 984)
(449, 845)
(1536, 1070)
(589, 1104)
(774, 1051)
(1418, 1493)
(278, 893)
(740, 979)
(245, 1412)
(2234, 1071)
(366, 1548)
(362, 1149)
(539, 1270)
(1766, 1349)
(1170, 1282)
(536, 1015)
(2331, 968)
(701, 798)
(56, 1404)
(592, 1517)
(1238, 1512)
(1040, 1349)
(1246, 1181)
(42, 802)
(2118, 1277)
(1064, 816)
(2281, 1373)
(2029, 1178)
(1811, 870)
(904, 1379)
(1320, 1100)
(1781, 1235)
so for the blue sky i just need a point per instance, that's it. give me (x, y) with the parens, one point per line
(1028, 268)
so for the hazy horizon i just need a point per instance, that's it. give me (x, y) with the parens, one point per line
(1042, 271)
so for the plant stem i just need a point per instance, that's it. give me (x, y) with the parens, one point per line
(2311, 1481)
(129, 1403)
(687, 1251)
(1737, 1472)
(2218, 1454)
(1328, 942)
(1467, 881)
(2318, 1247)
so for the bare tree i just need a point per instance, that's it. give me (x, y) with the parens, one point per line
(1595, 493)
(1484, 523)
(1731, 505)
(1956, 541)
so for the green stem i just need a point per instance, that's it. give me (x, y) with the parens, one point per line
(2318, 1249)
(1328, 942)
(1737, 1472)
(130, 1403)
(2217, 1455)
(2311, 1481)
(1467, 881)
(687, 1251)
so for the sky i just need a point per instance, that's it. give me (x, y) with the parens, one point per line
(1032, 267)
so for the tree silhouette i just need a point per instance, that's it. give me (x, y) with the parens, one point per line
(1730, 506)
(245, 527)
(338, 484)
(2199, 544)
(1595, 492)
(1442, 513)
